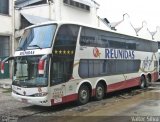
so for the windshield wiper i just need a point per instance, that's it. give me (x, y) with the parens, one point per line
(35, 46)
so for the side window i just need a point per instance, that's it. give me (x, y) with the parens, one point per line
(131, 44)
(67, 35)
(155, 46)
(97, 38)
(89, 37)
(104, 41)
(121, 67)
(60, 73)
(84, 69)
(115, 43)
(91, 68)
(95, 68)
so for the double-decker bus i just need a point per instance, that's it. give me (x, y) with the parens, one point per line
(59, 62)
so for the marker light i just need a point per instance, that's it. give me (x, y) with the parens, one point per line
(41, 66)
(2, 67)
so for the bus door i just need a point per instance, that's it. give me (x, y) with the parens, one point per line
(58, 81)
(62, 60)
(61, 73)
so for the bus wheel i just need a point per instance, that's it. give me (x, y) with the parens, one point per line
(142, 82)
(99, 92)
(83, 95)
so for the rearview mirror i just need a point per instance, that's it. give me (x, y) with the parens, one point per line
(3, 63)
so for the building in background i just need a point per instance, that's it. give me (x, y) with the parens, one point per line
(124, 26)
(30, 12)
(143, 31)
(6, 32)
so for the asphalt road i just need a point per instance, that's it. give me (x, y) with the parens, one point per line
(132, 105)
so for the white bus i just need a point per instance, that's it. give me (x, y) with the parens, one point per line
(59, 62)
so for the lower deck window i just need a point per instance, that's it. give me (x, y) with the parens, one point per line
(93, 68)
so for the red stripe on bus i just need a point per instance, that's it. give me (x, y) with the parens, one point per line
(110, 88)
(123, 84)
(128, 83)
(66, 99)
(155, 76)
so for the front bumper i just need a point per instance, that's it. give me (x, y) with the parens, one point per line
(41, 101)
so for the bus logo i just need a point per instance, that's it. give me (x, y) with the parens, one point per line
(96, 52)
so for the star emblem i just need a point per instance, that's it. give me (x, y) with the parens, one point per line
(68, 52)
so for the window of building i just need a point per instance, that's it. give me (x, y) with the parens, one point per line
(4, 42)
(4, 6)
(77, 4)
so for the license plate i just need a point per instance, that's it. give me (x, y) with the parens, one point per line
(24, 100)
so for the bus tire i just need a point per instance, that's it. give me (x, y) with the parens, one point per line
(100, 92)
(83, 95)
(142, 82)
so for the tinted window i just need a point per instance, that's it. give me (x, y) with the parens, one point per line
(97, 38)
(89, 37)
(84, 68)
(67, 35)
(61, 71)
(94, 68)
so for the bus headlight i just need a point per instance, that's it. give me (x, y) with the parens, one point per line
(40, 94)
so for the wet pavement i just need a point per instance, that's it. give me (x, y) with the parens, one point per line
(5, 83)
(132, 105)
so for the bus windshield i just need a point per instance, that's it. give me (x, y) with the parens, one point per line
(37, 38)
(26, 72)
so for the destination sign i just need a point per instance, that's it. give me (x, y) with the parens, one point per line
(27, 53)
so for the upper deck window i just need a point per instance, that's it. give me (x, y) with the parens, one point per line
(37, 37)
(97, 38)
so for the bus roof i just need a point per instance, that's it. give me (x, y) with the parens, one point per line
(80, 24)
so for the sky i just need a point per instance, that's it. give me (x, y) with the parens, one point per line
(138, 10)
